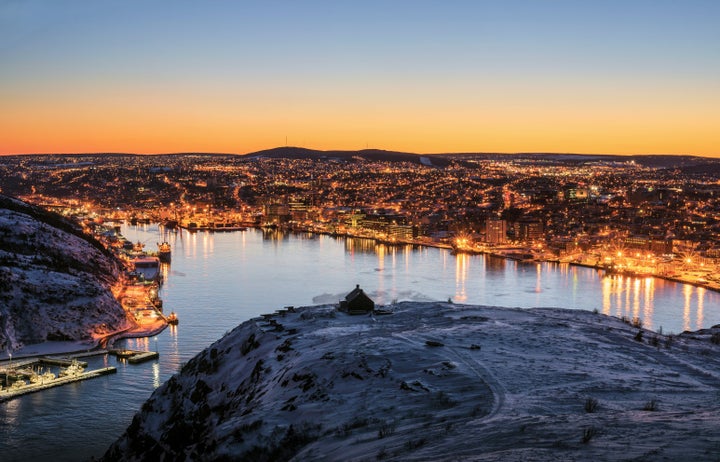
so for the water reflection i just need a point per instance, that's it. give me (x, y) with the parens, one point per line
(156, 374)
(380, 267)
(165, 270)
(629, 297)
(11, 411)
(649, 296)
(393, 271)
(687, 293)
(700, 307)
(358, 244)
(461, 270)
(700, 294)
(274, 234)
(173, 359)
(207, 245)
(495, 264)
(607, 288)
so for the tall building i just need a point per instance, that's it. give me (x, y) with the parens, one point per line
(528, 230)
(496, 231)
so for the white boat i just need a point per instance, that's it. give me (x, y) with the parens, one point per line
(73, 370)
(18, 384)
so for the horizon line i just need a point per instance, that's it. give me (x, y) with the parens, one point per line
(98, 153)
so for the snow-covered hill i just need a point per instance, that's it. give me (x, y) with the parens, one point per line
(437, 381)
(54, 281)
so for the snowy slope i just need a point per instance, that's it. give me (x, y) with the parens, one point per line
(436, 381)
(54, 282)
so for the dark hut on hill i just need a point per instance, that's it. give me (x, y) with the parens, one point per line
(357, 302)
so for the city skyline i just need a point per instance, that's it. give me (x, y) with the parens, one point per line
(635, 77)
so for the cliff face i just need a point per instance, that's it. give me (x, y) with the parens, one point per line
(54, 280)
(436, 381)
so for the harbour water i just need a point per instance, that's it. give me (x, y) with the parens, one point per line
(216, 281)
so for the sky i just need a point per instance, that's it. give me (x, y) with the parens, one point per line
(155, 76)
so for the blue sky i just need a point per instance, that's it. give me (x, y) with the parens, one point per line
(307, 66)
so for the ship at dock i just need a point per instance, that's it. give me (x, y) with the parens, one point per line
(164, 252)
(217, 225)
(146, 269)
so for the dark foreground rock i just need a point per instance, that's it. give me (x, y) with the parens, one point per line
(435, 381)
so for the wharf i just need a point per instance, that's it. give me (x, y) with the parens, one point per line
(146, 356)
(8, 394)
(55, 361)
(19, 365)
(135, 356)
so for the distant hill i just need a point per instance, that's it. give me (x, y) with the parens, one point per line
(687, 163)
(648, 160)
(54, 279)
(290, 152)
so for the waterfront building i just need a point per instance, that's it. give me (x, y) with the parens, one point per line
(528, 230)
(277, 213)
(496, 231)
(401, 232)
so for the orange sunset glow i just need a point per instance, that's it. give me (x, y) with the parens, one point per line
(522, 79)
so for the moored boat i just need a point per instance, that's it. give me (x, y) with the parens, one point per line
(74, 369)
(148, 267)
(164, 252)
(172, 318)
(17, 385)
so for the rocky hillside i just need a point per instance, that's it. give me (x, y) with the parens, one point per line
(54, 280)
(436, 381)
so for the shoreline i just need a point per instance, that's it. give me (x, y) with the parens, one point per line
(140, 332)
(53, 348)
(677, 279)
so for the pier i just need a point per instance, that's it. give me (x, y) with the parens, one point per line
(53, 361)
(142, 357)
(135, 356)
(14, 392)
(14, 374)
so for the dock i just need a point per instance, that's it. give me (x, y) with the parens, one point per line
(135, 356)
(142, 357)
(8, 394)
(23, 369)
(55, 361)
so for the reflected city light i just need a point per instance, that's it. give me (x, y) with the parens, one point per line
(700, 307)
(381, 267)
(156, 374)
(607, 289)
(636, 297)
(206, 245)
(687, 293)
(165, 270)
(627, 307)
(649, 284)
(461, 262)
(192, 248)
(406, 255)
(629, 297)
(381, 257)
